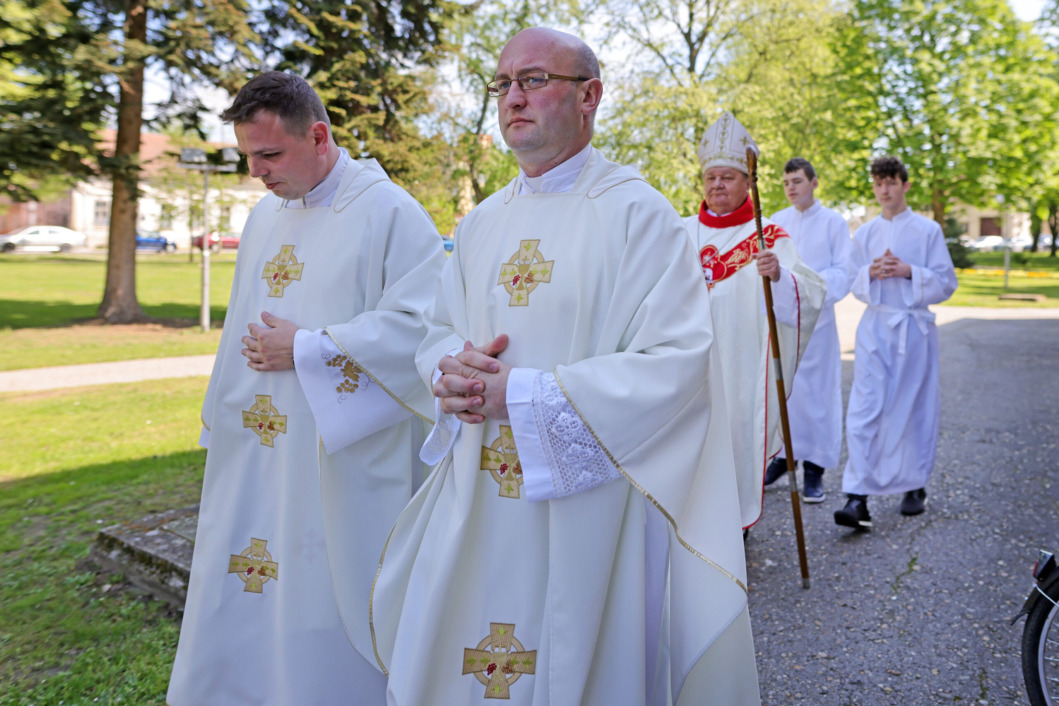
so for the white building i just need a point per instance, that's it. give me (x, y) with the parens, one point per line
(170, 200)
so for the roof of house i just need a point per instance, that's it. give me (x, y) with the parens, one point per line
(157, 151)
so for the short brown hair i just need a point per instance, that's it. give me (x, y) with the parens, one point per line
(797, 163)
(281, 93)
(889, 167)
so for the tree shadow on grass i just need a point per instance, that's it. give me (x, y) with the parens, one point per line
(22, 313)
(71, 505)
(67, 630)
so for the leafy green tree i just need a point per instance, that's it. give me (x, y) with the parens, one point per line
(191, 40)
(960, 91)
(762, 59)
(1044, 191)
(781, 80)
(461, 106)
(82, 62)
(53, 96)
(366, 60)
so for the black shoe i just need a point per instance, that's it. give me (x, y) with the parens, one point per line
(855, 513)
(776, 469)
(813, 492)
(915, 502)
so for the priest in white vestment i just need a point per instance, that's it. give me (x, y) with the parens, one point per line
(899, 265)
(821, 236)
(312, 422)
(574, 546)
(724, 235)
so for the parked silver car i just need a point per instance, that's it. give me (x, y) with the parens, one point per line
(43, 238)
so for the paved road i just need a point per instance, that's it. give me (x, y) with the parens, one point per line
(104, 373)
(918, 610)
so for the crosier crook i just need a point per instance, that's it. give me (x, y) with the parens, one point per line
(796, 506)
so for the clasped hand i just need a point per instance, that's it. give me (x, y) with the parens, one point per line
(270, 347)
(473, 383)
(889, 265)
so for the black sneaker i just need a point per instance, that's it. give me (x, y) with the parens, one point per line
(775, 469)
(855, 513)
(915, 502)
(813, 490)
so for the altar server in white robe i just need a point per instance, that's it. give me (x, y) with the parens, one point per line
(815, 403)
(898, 266)
(724, 235)
(575, 546)
(313, 416)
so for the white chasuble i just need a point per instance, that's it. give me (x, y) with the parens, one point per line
(725, 253)
(483, 594)
(815, 403)
(283, 525)
(895, 402)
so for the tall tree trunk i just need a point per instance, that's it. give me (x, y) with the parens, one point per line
(937, 205)
(120, 305)
(1053, 224)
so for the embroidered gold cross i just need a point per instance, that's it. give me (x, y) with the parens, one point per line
(254, 566)
(264, 419)
(501, 460)
(282, 270)
(350, 373)
(524, 271)
(499, 660)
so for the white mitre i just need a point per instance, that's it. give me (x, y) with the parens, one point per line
(725, 143)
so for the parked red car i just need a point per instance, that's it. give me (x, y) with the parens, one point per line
(225, 240)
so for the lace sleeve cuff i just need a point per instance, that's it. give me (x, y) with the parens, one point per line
(558, 454)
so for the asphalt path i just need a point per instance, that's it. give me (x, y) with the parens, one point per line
(918, 610)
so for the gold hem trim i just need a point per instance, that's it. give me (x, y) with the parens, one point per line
(371, 602)
(373, 378)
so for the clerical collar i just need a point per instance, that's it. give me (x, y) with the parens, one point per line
(557, 180)
(741, 215)
(324, 193)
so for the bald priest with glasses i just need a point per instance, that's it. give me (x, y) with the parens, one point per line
(578, 542)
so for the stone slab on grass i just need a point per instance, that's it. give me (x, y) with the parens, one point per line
(153, 553)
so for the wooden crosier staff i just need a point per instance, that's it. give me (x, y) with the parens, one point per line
(796, 506)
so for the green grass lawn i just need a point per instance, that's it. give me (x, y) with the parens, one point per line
(75, 461)
(48, 305)
(1028, 273)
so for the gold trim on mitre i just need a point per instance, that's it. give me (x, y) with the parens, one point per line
(725, 143)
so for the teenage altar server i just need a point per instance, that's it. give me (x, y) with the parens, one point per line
(815, 402)
(309, 416)
(899, 265)
(574, 546)
(724, 235)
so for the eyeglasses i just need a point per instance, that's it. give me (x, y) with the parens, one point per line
(528, 82)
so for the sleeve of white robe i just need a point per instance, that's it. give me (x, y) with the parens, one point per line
(341, 419)
(835, 275)
(557, 452)
(784, 298)
(405, 252)
(861, 285)
(446, 332)
(934, 281)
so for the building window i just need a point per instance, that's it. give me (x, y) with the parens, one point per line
(101, 215)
